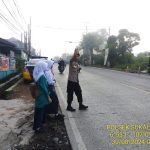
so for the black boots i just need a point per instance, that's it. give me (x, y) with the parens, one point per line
(69, 108)
(82, 107)
(59, 116)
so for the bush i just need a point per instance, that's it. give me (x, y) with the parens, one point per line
(20, 63)
(98, 60)
(121, 67)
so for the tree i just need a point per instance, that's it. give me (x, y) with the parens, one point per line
(126, 41)
(92, 41)
(112, 46)
(66, 56)
(142, 60)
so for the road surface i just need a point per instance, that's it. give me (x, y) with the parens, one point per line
(118, 117)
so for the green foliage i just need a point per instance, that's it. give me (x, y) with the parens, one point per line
(20, 63)
(127, 58)
(120, 49)
(93, 40)
(134, 62)
(129, 67)
(90, 41)
(126, 41)
(98, 60)
(121, 67)
(112, 46)
(142, 60)
(148, 70)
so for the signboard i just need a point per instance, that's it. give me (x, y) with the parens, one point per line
(12, 54)
(12, 62)
(4, 63)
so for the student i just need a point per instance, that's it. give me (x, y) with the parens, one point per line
(53, 107)
(73, 83)
(43, 99)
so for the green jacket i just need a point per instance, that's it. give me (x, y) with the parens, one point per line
(42, 99)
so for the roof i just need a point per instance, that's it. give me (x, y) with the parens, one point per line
(5, 43)
(34, 57)
(34, 61)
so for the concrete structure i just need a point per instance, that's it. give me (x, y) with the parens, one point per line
(8, 53)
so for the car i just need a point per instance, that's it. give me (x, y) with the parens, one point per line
(28, 69)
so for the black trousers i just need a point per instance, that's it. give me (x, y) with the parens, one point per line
(71, 88)
(39, 118)
(52, 108)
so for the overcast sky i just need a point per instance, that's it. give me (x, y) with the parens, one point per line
(55, 22)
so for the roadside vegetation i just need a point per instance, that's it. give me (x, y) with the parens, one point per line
(99, 46)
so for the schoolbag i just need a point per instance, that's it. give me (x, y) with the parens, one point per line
(34, 90)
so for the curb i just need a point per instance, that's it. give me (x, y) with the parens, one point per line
(9, 83)
(8, 92)
(70, 124)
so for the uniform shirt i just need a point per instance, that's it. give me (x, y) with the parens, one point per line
(49, 77)
(73, 71)
(42, 99)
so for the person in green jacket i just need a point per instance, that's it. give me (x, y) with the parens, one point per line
(43, 99)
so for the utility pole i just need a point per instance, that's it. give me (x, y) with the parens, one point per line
(106, 61)
(21, 38)
(25, 42)
(109, 32)
(29, 39)
(86, 29)
(30, 36)
(84, 51)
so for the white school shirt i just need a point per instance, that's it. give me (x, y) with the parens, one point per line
(50, 77)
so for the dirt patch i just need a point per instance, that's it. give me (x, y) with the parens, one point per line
(22, 91)
(55, 137)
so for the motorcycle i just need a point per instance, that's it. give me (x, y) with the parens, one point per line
(79, 69)
(61, 68)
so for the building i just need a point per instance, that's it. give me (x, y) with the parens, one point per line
(8, 53)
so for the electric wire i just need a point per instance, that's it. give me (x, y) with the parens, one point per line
(12, 15)
(68, 29)
(3, 17)
(16, 16)
(9, 26)
(19, 12)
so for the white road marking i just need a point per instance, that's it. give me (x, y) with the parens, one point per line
(78, 138)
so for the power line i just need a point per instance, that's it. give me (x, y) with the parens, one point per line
(59, 28)
(16, 16)
(8, 22)
(20, 14)
(85, 29)
(10, 27)
(12, 15)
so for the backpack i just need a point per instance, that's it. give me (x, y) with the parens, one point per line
(34, 90)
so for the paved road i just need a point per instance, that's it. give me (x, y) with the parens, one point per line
(118, 117)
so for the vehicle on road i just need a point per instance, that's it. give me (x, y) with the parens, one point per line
(61, 68)
(28, 69)
(61, 65)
